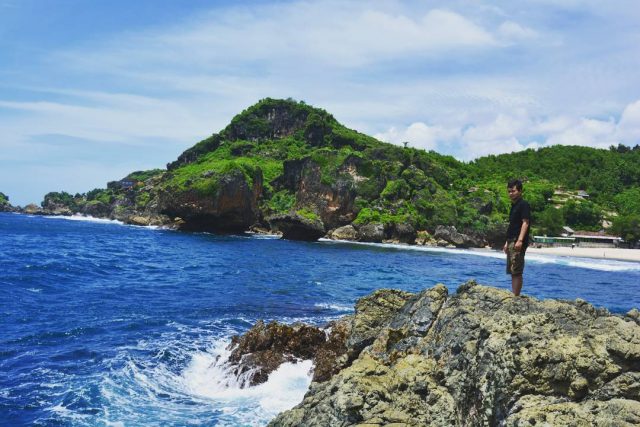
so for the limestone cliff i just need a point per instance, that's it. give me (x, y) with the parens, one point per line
(478, 357)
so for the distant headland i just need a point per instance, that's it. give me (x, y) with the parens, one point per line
(286, 167)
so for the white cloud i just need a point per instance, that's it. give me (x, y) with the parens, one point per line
(587, 132)
(628, 129)
(419, 135)
(123, 119)
(512, 31)
(323, 33)
(503, 127)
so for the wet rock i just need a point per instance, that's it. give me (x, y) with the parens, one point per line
(297, 227)
(266, 346)
(348, 232)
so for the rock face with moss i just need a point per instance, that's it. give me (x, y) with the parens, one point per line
(478, 357)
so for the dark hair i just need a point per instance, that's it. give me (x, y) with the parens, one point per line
(515, 183)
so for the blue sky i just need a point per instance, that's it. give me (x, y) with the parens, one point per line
(91, 90)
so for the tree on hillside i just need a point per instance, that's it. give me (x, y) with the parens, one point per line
(627, 227)
(549, 221)
(584, 214)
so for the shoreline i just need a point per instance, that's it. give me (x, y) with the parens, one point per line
(617, 254)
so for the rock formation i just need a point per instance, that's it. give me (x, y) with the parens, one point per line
(450, 235)
(232, 206)
(478, 357)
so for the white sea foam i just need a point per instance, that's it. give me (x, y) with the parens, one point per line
(194, 384)
(208, 375)
(588, 263)
(78, 217)
(255, 235)
(335, 307)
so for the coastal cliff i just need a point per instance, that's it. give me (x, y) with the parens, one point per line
(5, 206)
(477, 357)
(285, 166)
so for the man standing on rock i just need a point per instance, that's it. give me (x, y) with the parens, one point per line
(517, 234)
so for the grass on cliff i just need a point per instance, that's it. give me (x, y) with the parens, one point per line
(203, 175)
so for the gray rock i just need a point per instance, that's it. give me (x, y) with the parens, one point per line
(451, 235)
(296, 227)
(401, 233)
(479, 357)
(371, 233)
(348, 232)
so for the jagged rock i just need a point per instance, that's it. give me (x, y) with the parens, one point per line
(373, 232)
(348, 232)
(424, 238)
(296, 227)
(372, 313)
(265, 347)
(635, 315)
(97, 209)
(451, 235)
(479, 357)
(332, 355)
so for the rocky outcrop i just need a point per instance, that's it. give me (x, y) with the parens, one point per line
(5, 206)
(373, 232)
(348, 232)
(460, 240)
(400, 233)
(266, 346)
(232, 206)
(333, 202)
(478, 357)
(495, 235)
(294, 226)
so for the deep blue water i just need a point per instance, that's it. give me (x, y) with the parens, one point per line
(105, 324)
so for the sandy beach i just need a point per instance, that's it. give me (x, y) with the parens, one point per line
(601, 253)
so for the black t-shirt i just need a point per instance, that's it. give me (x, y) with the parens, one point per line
(519, 210)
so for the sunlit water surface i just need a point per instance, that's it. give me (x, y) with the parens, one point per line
(106, 324)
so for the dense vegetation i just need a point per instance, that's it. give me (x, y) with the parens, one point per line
(392, 184)
(4, 199)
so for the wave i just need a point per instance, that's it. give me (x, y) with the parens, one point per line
(587, 263)
(209, 376)
(179, 378)
(342, 308)
(78, 217)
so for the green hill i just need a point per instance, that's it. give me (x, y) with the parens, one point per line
(282, 157)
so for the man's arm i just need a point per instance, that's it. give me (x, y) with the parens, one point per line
(523, 232)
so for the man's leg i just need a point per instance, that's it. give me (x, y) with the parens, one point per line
(516, 283)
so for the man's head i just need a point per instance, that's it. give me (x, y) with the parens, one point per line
(514, 187)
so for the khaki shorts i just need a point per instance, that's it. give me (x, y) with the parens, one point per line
(515, 260)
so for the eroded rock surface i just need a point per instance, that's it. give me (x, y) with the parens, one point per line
(478, 357)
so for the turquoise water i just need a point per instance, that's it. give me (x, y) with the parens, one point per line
(106, 324)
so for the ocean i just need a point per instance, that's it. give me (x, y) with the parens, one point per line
(103, 324)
